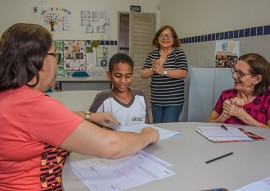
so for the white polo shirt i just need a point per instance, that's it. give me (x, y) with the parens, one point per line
(134, 112)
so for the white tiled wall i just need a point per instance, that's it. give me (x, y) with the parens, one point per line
(202, 54)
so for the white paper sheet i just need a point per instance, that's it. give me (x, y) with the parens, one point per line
(116, 175)
(163, 133)
(262, 185)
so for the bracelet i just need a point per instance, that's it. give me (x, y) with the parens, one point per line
(87, 115)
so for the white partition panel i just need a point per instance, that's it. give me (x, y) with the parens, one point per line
(223, 81)
(205, 87)
(201, 88)
(75, 100)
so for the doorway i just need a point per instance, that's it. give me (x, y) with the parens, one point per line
(135, 33)
(123, 33)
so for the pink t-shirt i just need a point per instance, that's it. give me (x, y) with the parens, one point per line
(259, 108)
(32, 126)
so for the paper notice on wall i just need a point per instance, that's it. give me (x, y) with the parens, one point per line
(226, 53)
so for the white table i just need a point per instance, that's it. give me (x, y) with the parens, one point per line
(188, 154)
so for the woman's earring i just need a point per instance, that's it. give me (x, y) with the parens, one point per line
(43, 68)
(252, 88)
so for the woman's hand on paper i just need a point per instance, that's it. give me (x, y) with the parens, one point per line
(153, 133)
(104, 119)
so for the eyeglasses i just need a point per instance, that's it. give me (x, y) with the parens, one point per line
(239, 73)
(56, 55)
(168, 36)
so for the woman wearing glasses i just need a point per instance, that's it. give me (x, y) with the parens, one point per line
(167, 67)
(37, 131)
(249, 102)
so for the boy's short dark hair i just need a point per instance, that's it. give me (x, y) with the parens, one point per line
(119, 58)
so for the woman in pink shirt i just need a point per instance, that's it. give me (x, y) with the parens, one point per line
(249, 102)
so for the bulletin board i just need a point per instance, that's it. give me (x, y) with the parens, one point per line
(75, 58)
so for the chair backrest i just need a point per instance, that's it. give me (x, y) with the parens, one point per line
(80, 74)
(75, 100)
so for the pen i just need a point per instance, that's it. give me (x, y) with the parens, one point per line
(212, 160)
(224, 127)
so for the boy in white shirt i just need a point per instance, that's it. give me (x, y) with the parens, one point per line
(128, 106)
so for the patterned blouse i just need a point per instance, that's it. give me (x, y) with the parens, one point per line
(259, 108)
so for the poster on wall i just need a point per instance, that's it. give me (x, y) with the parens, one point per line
(74, 56)
(56, 19)
(95, 22)
(226, 53)
(96, 61)
(59, 48)
(102, 55)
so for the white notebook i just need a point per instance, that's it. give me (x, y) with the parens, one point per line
(218, 134)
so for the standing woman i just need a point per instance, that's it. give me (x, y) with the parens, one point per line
(167, 67)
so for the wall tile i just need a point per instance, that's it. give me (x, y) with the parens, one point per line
(266, 30)
(253, 31)
(240, 33)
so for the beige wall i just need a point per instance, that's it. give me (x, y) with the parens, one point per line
(189, 17)
(198, 17)
(13, 11)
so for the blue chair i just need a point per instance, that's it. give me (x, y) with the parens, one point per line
(49, 90)
(80, 74)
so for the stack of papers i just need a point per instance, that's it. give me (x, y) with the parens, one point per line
(262, 185)
(116, 175)
(163, 133)
(218, 134)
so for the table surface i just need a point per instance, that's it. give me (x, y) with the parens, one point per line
(188, 153)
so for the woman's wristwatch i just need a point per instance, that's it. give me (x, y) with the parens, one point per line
(165, 72)
(87, 115)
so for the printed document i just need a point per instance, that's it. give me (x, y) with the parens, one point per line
(163, 133)
(117, 175)
(262, 185)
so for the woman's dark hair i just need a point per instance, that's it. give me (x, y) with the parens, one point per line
(120, 58)
(23, 48)
(259, 66)
(176, 42)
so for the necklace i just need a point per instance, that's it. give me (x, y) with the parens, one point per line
(163, 55)
(165, 52)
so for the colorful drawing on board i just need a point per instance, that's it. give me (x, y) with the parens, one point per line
(74, 56)
(56, 18)
(227, 53)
